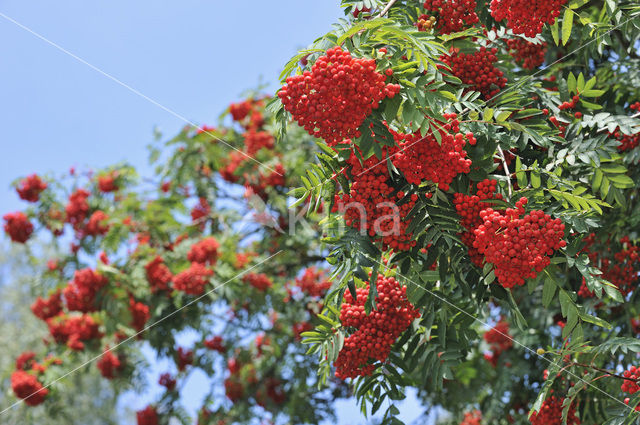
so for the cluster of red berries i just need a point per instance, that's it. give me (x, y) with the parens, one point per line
(248, 113)
(526, 16)
(193, 280)
(158, 274)
(167, 381)
(333, 99)
(570, 105)
(107, 183)
(519, 248)
(256, 140)
(477, 70)
(559, 125)
(630, 385)
(551, 413)
(77, 208)
(627, 142)
(473, 417)
(260, 281)
(313, 282)
(620, 267)
(26, 386)
(73, 330)
(499, 340)
(18, 226)
(454, 15)
(200, 212)
(530, 55)
(425, 22)
(185, 358)
(374, 206)
(80, 293)
(147, 416)
(421, 158)
(204, 251)
(109, 364)
(97, 224)
(374, 333)
(468, 208)
(139, 314)
(29, 188)
(215, 343)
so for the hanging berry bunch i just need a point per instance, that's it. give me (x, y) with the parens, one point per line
(529, 55)
(526, 16)
(551, 413)
(453, 15)
(519, 248)
(477, 70)
(375, 333)
(333, 99)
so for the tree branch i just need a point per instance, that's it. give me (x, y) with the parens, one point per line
(506, 170)
(386, 9)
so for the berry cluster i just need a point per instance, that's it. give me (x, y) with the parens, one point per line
(97, 224)
(453, 15)
(425, 22)
(569, 105)
(551, 413)
(422, 158)
(473, 417)
(204, 251)
(526, 16)
(77, 208)
(158, 274)
(109, 364)
(256, 140)
(139, 314)
(73, 330)
(26, 386)
(185, 358)
(313, 283)
(620, 267)
(107, 182)
(193, 280)
(80, 293)
(30, 188)
(468, 208)
(374, 333)
(18, 226)
(200, 212)
(477, 70)
(374, 206)
(631, 385)
(215, 343)
(260, 281)
(147, 416)
(529, 55)
(333, 99)
(519, 248)
(499, 340)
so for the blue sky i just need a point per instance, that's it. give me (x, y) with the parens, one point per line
(193, 57)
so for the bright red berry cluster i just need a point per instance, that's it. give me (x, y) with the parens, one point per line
(29, 188)
(74, 330)
(468, 208)
(148, 416)
(158, 274)
(477, 70)
(313, 282)
(551, 413)
(333, 99)
(44, 308)
(627, 142)
(80, 293)
(107, 182)
(374, 206)
(422, 158)
(204, 251)
(193, 280)
(26, 386)
(185, 358)
(256, 140)
(526, 16)
(97, 224)
(260, 281)
(472, 418)
(529, 55)
(519, 248)
(631, 385)
(453, 15)
(200, 212)
(18, 226)
(167, 381)
(215, 343)
(374, 333)
(139, 314)
(77, 208)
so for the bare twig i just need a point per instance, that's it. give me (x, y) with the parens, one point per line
(506, 170)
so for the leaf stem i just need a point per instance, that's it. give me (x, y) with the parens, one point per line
(506, 170)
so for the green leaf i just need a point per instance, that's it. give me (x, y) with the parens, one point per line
(548, 291)
(555, 33)
(567, 25)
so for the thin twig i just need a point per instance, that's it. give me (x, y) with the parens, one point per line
(386, 9)
(506, 169)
